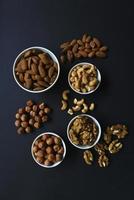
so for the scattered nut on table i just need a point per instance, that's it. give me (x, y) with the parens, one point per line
(88, 157)
(115, 146)
(103, 161)
(65, 94)
(31, 117)
(64, 105)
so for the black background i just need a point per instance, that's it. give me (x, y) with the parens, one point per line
(48, 23)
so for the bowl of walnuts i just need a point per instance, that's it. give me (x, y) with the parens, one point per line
(84, 131)
(48, 150)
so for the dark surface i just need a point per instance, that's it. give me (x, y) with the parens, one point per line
(48, 23)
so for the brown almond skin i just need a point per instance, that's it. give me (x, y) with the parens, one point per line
(26, 76)
(51, 71)
(65, 44)
(38, 88)
(92, 44)
(62, 59)
(27, 53)
(70, 56)
(23, 64)
(75, 48)
(21, 77)
(38, 77)
(29, 61)
(34, 68)
(73, 42)
(28, 83)
(43, 83)
(84, 38)
(83, 53)
(97, 42)
(91, 54)
(80, 42)
(44, 58)
(88, 39)
(103, 48)
(41, 69)
(100, 54)
(35, 59)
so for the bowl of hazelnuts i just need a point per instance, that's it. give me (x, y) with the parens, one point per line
(48, 150)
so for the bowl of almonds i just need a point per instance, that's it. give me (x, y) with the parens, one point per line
(36, 69)
(48, 150)
(84, 131)
(84, 78)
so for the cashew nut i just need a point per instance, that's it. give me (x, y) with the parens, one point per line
(64, 105)
(76, 108)
(80, 102)
(91, 107)
(70, 111)
(85, 108)
(65, 94)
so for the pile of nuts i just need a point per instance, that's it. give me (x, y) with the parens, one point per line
(83, 131)
(87, 46)
(110, 144)
(32, 116)
(78, 105)
(36, 70)
(48, 149)
(84, 78)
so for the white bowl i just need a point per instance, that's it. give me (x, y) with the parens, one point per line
(54, 58)
(99, 132)
(57, 163)
(98, 78)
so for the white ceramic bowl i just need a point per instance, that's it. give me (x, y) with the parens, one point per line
(98, 77)
(99, 131)
(54, 58)
(57, 163)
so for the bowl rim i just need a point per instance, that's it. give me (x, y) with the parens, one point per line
(98, 75)
(44, 50)
(57, 163)
(99, 132)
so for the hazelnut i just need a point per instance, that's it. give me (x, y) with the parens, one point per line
(61, 151)
(17, 116)
(44, 118)
(45, 136)
(20, 130)
(21, 110)
(40, 144)
(57, 140)
(56, 148)
(23, 117)
(35, 108)
(17, 123)
(37, 118)
(58, 157)
(47, 110)
(29, 103)
(35, 149)
(50, 141)
(31, 122)
(24, 124)
(37, 125)
(39, 153)
(28, 129)
(41, 113)
(32, 113)
(47, 163)
(40, 160)
(49, 150)
(28, 109)
(42, 106)
(51, 157)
